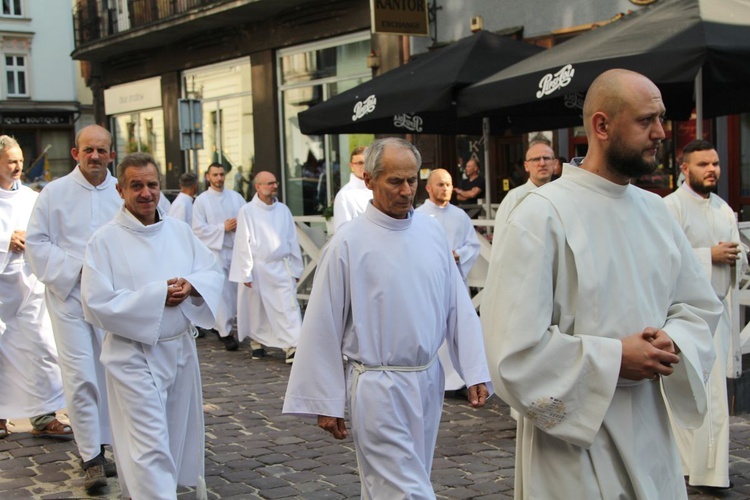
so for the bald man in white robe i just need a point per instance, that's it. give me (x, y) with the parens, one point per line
(596, 315)
(145, 279)
(386, 294)
(353, 197)
(464, 246)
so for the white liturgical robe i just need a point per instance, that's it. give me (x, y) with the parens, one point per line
(464, 242)
(706, 222)
(386, 294)
(31, 381)
(153, 377)
(182, 208)
(510, 201)
(267, 254)
(210, 209)
(66, 214)
(350, 201)
(582, 263)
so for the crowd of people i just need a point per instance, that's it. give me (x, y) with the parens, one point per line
(606, 320)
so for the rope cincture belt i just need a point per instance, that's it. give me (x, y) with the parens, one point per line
(359, 369)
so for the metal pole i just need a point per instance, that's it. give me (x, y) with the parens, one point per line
(699, 104)
(487, 179)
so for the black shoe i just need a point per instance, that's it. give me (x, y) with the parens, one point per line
(110, 469)
(230, 343)
(201, 332)
(95, 478)
(258, 353)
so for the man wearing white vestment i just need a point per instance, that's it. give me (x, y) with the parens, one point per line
(145, 279)
(66, 214)
(31, 381)
(710, 226)
(267, 264)
(214, 223)
(596, 315)
(352, 199)
(539, 163)
(464, 245)
(182, 206)
(387, 293)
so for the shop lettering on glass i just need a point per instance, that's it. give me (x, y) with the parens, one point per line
(410, 123)
(552, 82)
(475, 147)
(574, 101)
(124, 99)
(365, 107)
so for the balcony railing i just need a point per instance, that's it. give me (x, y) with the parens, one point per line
(95, 20)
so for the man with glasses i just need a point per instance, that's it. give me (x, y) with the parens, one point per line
(539, 163)
(267, 262)
(353, 198)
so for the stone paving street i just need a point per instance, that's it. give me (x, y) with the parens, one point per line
(252, 451)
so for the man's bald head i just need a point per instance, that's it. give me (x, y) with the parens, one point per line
(266, 187)
(440, 187)
(607, 94)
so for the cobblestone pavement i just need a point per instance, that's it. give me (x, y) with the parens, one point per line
(252, 451)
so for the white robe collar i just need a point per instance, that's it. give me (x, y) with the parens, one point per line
(595, 182)
(695, 196)
(434, 206)
(357, 183)
(14, 189)
(386, 221)
(262, 204)
(128, 221)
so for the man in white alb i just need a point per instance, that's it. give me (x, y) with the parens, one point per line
(214, 223)
(66, 214)
(267, 263)
(539, 163)
(596, 315)
(145, 279)
(31, 382)
(710, 226)
(386, 294)
(464, 245)
(352, 199)
(182, 206)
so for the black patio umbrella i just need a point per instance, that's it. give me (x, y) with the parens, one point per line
(418, 97)
(696, 51)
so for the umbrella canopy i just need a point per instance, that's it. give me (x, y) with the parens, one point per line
(420, 96)
(678, 44)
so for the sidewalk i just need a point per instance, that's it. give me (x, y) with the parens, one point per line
(252, 451)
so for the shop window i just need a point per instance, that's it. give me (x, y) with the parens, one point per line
(15, 76)
(13, 8)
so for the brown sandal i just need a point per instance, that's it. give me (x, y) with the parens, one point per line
(54, 428)
(3, 428)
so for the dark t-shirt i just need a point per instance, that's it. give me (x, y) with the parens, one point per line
(467, 185)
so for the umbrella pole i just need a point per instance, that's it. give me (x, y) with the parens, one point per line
(699, 104)
(487, 179)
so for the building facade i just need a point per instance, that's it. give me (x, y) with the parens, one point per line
(43, 99)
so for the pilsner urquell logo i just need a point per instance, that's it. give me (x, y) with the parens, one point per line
(364, 107)
(412, 123)
(551, 82)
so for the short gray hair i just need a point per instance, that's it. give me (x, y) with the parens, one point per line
(139, 159)
(374, 154)
(7, 142)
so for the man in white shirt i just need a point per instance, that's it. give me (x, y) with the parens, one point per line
(145, 279)
(182, 206)
(464, 246)
(31, 381)
(66, 214)
(596, 315)
(386, 294)
(539, 164)
(352, 199)
(214, 223)
(267, 264)
(711, 228)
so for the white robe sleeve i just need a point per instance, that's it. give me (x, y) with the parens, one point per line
(135, 314)
(207, 278)
(54, 266)
(295, 258)
(468, 252)
(341, 213)
(317, 383)
(212, 235)
(241, 269)
(562, 383)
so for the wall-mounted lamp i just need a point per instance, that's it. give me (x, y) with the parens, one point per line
(476, 24)
(373, 60)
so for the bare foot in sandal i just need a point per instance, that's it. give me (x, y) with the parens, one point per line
(54, 428)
